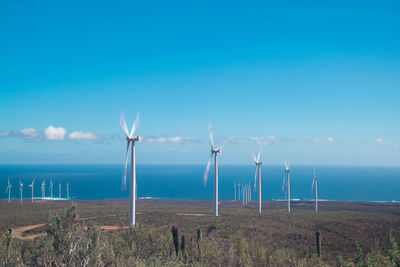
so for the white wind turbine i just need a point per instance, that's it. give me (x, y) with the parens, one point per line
(67, 191)
(238, 186)
(59, 190)
(234, 188)
(31, 185)
(21, 185)
(258, 173)
(51, 189)
(214, 152)
(315, 178)
(287, 178)
(243, 194)
(9, 190)
(43, 189)
(247, 193)
(130, 138)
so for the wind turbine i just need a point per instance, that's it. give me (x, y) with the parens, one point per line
(9, 190)
(130, 138)
(243, 193)
(43, 189)
(31, 185)
(315, 178)
(258, 173)
(234, 188)
(67, 191)
(247, 193)
(214, 152)
(21, 185)
(287, 178)
(59, 190)
(51, 189)
(238, 186)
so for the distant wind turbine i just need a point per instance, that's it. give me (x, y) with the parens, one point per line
(287, 178)
(234, 189)
(9, 190)
(31, 185)
(214, 152)
(59, 190)
(315, 178)
(238, 187)
(67, 191)
(258, 173)
(43, 189)
(21, 185)
(51, 189)
(130, 138)
(244, 194)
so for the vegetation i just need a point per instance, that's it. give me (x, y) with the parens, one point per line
(72, 241)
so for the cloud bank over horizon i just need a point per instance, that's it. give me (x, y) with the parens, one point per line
(50, 133)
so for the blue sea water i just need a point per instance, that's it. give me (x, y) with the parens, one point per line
(185, 181)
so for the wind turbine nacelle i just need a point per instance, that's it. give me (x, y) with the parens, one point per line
(218, 150)
(134, 139)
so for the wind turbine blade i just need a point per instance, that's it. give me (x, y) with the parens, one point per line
(255, 178)
(206, 172)
(312, 185)
(122, 122)
(259, 154)
(135, 125)
(211, 136)
(125, 166)
(254, 158)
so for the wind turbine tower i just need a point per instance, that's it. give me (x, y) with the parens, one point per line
(59, 190)
(234, 189)
(250, 191)
(243, 194)
(287, 178)
(130, 139)
(43, 190)
(214, 152)
(9, 190)
(31, 185)
(315, 181)
(238, 187)
(51, 189)
(21, 185)
(67, 191)
(258, 174)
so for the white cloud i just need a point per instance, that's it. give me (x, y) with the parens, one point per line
(5, 133)
(330, 140)
(168, 139)
(29, 133)
(227, 139)
(53, 133)
(261, 140)
(382, 141)
(83, 135)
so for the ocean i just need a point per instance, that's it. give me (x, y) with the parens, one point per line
(352, 183)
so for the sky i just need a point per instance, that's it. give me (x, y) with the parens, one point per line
(316, 82)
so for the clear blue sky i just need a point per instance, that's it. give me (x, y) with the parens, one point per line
(314, 82)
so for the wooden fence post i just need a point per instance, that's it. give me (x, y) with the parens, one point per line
(318, 243)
